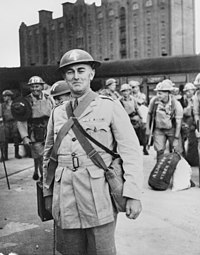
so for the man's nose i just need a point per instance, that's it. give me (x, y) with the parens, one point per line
(76, 75)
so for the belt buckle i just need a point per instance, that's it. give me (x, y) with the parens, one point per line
(75, 162)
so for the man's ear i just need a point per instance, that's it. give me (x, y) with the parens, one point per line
(92, 74)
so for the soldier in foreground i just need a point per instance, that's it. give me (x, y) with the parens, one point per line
(82, 208)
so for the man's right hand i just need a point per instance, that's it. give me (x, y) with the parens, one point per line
(197, 134)
(48, 203)
(26, 140)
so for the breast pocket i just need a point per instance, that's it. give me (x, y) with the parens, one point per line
(99, 131)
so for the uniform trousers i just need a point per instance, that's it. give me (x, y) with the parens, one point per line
(160, 137)
(90, 241)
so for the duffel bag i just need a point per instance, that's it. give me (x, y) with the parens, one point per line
(163, 171)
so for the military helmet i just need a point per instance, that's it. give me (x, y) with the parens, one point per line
(165, 85)
(77, 56)
(189, 86)
(110, 81)
(59, 88)
(7, 93)
(35, 80)
(197, 79)
(125, 87)
(134, 83)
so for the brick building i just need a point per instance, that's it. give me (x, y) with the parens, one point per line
(118, 29)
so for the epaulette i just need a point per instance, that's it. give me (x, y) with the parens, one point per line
(106, 97)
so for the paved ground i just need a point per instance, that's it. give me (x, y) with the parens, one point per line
(169, 223)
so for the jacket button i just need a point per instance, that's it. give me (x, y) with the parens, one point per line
(73, 139)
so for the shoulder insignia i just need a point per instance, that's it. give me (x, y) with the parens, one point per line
(106, 97)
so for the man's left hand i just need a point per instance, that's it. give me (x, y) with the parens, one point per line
(133, 208)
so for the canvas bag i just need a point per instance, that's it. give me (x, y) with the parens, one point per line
(163, 171)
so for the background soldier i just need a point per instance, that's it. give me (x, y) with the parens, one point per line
(82, 207)
(188, 125)
(165, 114)
(110, 89)
(138, 95)
(60, 92)
(130, 105)
(33, 131)
(10, 124)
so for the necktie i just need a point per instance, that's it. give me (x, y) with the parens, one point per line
(75, 103)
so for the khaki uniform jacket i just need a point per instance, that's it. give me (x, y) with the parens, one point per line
(81, 198)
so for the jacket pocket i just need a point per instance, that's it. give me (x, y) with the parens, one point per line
(100, 192)
(99, 131)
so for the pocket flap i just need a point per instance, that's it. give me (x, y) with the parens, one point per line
(58, 174)
(95, 172)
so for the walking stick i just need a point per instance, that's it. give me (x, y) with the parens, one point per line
(4, 165)
(150, 135)
(54, 238)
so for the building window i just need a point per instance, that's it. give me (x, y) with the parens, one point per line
(148, 3)
(100, 15)
(135, 54)
(135, 6)
(122, 33)
(111, 13)
(135, 43)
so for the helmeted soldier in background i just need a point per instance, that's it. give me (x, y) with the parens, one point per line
(33, 131)
(196, 110)
(138, 95)
(10, 124)
(131, 106)
(60, 92)
(165, 116)
(189, 126)
(110, 89)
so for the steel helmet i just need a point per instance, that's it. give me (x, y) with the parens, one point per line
(125, 87)
(35, 80)
(189, 86)
(134, 83)
(7, 93)
(59, 88)
(165, 85)
(77, 56)
(197, 79)
(110, 81)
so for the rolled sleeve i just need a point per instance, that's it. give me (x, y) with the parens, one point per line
(178, 110)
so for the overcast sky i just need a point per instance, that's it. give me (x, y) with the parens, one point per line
(14, 12)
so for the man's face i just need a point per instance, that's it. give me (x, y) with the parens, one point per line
(112, 87)
(189, 93)
(135, 89)
(163, 96)
(78, 77)
(126, 93)
(36, 89)
(6, 98)
(61, 98)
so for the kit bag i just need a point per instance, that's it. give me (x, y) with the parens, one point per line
(163, 171)
(44, 214)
